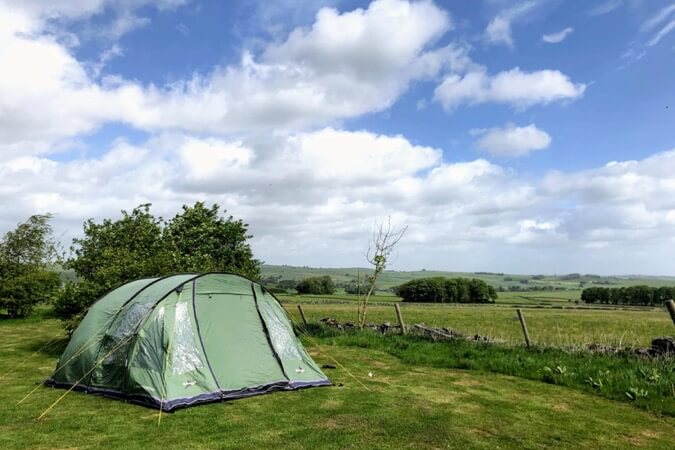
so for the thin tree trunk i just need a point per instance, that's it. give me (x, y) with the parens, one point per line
(365, 304)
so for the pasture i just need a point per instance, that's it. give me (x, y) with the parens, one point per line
(391, 278)
(548, 323)
(402, 405)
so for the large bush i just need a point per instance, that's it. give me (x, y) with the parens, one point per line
(140, 245)
(355, 288)
(446, 290)
(200, 240)
(27, 259)
(316, 285)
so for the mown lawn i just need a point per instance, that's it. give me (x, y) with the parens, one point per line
(400, 406)
(554, 327)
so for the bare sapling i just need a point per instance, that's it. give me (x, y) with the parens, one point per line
(385, 237)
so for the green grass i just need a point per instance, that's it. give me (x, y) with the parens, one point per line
(547, 326)
(403, 405)
(618, 376)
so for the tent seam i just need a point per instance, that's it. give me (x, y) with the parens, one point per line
(199, 334)
(267, 334)
(140, 326)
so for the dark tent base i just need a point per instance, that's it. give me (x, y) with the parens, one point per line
(211, 397)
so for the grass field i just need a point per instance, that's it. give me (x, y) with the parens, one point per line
(561, 299)
(400, 406)
(547, 326)
(391, 278)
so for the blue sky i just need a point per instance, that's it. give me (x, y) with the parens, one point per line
(626, 94)
(520, 136)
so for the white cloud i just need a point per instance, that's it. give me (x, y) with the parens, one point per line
(512, 140)
(604, 8)
(316, 76)
(125, 23)
(312, 191)
(667, 28)
(498, 31)
(657, 19)
(183, 29)
(513, 87)
(530, 231)
(659, 26)
(314, 198)
(321, 187)
(212, 157)
(555, 38)
(665, 19)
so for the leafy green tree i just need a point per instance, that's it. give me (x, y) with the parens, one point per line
(140, 245)
(27, 259)
(356, 288)
(446, 290)
(316, 286)
(117, 251)
(201, 240)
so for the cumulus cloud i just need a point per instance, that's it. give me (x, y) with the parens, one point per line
(315, 197)
(624, 203)
(514, 87)
(498, 31)
(555, 38)
(512, 140)
(294, 198)
(315, 76)
(262, 137)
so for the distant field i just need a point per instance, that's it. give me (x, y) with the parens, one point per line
(391, 278)
(543, 298)
(537, 299)
(547, 325)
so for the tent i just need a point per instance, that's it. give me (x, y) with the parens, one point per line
(185, 339)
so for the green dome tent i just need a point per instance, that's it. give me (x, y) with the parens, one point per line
(186, 339)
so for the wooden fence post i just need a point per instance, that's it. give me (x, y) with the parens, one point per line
(671, 309)
(399, 316)
(523, 325)
(302, 314)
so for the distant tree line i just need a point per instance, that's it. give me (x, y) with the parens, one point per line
(316, 286)
(632, 295)
(356, 287)
(446, 290)
(532, 288)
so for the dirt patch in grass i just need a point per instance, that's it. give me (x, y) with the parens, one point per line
(330, 424)
(438, 396)
(331, 404)
(642, 438)
(467, 382)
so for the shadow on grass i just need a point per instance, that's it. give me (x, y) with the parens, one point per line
(49, 347)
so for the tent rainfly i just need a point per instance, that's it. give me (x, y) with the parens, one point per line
(186, 339)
